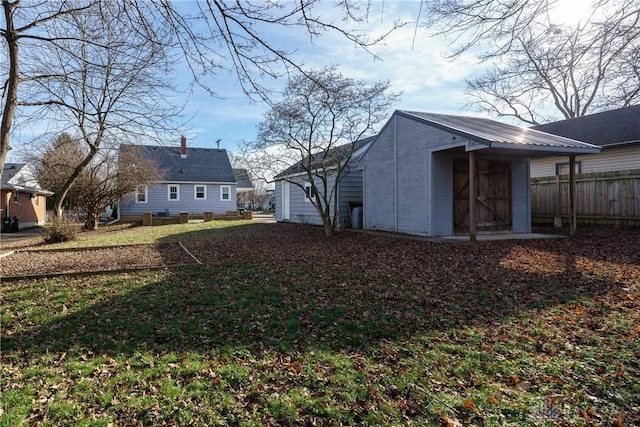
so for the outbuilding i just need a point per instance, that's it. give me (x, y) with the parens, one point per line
(440, 175)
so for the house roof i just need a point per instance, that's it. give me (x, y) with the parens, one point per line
(10, 171)
(333, 156)
(497, 136)
(243, 179)
(606, 129)
(20, 176)
(199, 165)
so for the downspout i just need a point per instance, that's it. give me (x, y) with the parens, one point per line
(118, 216)
(364, 197)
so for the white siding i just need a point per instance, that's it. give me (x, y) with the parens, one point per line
(613, 159)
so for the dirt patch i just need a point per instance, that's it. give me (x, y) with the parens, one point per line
(94, 259)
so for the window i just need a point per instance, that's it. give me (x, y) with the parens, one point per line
(173, 191)
(36, 199)
(16, 196)
(142, 194)
(225, 192)
(309, 192)
(563, 168)
(200, 192)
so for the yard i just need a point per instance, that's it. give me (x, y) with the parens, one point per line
(282, 326)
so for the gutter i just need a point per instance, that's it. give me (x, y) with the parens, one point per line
(117, 217)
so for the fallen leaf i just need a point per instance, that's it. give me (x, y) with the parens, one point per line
(470, 405)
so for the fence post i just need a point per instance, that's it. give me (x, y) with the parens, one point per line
(557, 220)
(147, 218)
(473, 192)
(572, 195)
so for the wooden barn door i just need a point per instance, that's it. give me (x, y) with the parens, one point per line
(493, 201)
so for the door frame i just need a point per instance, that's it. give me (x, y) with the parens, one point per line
(286, 201)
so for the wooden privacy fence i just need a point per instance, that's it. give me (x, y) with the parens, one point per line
(602, 198)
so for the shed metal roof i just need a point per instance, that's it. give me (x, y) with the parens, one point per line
(210, 165)
(491, 134)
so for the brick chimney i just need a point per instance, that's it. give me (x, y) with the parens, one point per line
(183, 147)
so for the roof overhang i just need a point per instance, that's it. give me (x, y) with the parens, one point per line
(532, 150)
(520, 150)
(25, 189)
(620, 144)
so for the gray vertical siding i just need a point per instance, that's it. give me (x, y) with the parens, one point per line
(379, 179)
(442, 190)
(413, 178)
(158, 201)
(302, 211)
(349, 191)
(521, 196)
(398, 174)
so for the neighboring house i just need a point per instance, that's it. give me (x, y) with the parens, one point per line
(608, 183)
(196, 180)
(293, 193)
(268, 201)
(22, 197)
(416, 174)
(244, 188)
(617, 132)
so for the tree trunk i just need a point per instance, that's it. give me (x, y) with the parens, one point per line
(57, 208)
(11, 89)
(329, 229)
(91, 223)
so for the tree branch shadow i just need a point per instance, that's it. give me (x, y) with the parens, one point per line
(283, 287)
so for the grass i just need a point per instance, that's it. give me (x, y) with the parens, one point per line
(373, 332)
(125, 234)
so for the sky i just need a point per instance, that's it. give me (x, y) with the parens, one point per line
(414, 62)
(427, 80)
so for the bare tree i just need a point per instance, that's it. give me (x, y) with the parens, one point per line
(105, 81)
(315, 127)
(543, 70)
(109, 177)
(210, 36)
(56, 163)
(22, 30)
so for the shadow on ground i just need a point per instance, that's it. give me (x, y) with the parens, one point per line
(283, 286)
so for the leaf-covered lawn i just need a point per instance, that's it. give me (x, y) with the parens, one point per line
(282, 326)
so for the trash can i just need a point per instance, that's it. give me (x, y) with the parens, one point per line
(6, 225)
(357, 218)
(14, 224)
